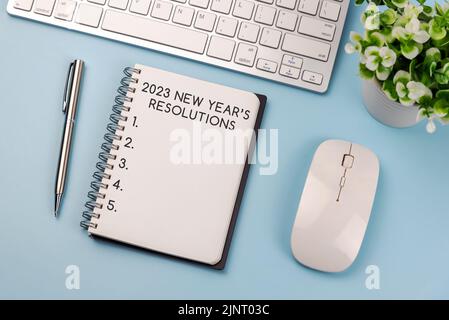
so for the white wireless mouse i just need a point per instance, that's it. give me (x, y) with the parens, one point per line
(335, 206)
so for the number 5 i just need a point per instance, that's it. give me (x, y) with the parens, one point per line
(111, 205)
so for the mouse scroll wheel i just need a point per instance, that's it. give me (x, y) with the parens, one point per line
(348, 161)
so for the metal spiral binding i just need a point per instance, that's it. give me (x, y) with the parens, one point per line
(114, 128)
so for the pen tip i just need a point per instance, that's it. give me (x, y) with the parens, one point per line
(57, 204)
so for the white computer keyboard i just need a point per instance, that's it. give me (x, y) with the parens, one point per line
(290, 41)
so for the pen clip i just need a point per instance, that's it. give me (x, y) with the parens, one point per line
(68, 87)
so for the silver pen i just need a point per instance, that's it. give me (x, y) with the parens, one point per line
(71, 93)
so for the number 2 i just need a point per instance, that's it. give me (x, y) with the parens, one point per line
(128, 142)
(159, 91)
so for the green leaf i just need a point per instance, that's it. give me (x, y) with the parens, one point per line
(412, 70)
(365, 73)
(444, 61)
(426, 79)
(387, 33)
(436, 31)
(423, 113)
(406, 101)
(389, 89)
(438, 9)
(375, 38)
(400, 3)
(410, 49)
(445, 120)
(443, 94)
(401, 90)
(402, 76)
(445, 68)
(427, 10)
(441, 43)
(440, 20)
(388, 17)
(355, 37)
(425, 101)
(441, 107)
(441, 78)
(433, 54)
(382, 72)
(432, 68)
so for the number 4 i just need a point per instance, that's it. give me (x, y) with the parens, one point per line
(117, 185)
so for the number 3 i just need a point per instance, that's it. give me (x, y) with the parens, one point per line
(122, 163)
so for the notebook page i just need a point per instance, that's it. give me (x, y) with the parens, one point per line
(168, 192)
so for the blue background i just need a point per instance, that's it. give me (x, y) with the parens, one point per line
(407, 236)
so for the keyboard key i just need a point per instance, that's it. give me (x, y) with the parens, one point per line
(267, 65)
(155, 31)
(287, 20)
(265, 15)
(223, 6)
(248, 35)
(270, 38)
(306, 47)
(199, 3)
(246, 54)
(161, 10)
(227, 26)
(23, 4)
(221, 48)
(102, 2)
(118, 4)
(89, 15)
(140, 6)
(312, 77)
(330, 10)
(308, 6)
(183, 15)
(44, 7)
(205, 21)
(289, 4)
(316, 28)
(243, 9)
(248, 32)
(292, 61)
(65, 9)
(290, 72)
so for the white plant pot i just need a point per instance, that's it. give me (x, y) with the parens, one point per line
(386, 111)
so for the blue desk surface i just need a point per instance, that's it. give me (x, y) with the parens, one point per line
(407, 238)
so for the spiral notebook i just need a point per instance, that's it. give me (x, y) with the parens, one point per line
(174, 164)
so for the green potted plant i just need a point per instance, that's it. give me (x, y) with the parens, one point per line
(404, 61)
